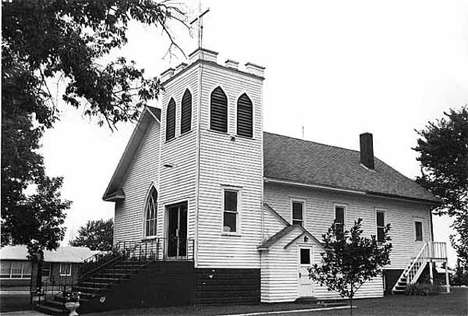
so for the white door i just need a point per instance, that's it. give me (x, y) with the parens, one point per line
(305, 284)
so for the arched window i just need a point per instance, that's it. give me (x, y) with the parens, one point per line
(244, 116)
(186, 121)
(218, 114)
(151, 212)
(170, 120)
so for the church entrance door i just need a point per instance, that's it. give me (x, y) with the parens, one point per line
(177, 231)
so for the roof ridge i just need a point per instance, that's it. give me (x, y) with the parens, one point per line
(313, 142)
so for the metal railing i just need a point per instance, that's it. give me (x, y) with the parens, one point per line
(100, 271)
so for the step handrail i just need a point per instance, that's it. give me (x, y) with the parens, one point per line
(416, 259)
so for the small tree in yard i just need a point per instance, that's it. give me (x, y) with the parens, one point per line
(350, 259)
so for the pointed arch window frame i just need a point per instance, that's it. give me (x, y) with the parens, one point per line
(151, 213)
(218, 105)
(171, 112)
(245, 112)
(186, 112)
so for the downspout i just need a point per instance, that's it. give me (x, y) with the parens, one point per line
(432, 225)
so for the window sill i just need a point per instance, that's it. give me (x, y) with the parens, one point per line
(231, 234)
(245, 137)
(150, 238)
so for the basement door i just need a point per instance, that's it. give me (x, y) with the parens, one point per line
(177, 231)
(305, 284)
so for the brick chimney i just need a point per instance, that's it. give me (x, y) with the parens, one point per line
(367, 150)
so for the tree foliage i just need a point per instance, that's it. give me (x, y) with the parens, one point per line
(96, 235)
(443, 154)
(32, 219)
(350, 259)
(67, 40)
(51, 38)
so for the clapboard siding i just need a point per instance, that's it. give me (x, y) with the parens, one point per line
(280, 269)
(320, 215)
(142, 172)
(178, 182)
(234, 162)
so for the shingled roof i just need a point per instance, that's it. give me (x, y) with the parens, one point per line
(304, 162)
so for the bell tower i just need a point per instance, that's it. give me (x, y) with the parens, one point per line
(212, 157)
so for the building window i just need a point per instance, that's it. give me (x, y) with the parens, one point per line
(244, 116)
(305, 256)
(170, 120)
(151, 212)
(230, 211)
(46, 269)
(219, 109)
(340, 216)
(186, 120)
(418, 230)
(65, 269)
(298, 213)
(380, 219)
(15, 270)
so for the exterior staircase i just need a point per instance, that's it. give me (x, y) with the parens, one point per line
(95, 286)
(106, 276)
(430, 251)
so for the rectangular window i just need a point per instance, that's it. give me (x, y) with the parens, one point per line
(230, 211)
(65, 269)
(16, 270)
(305, 256)
(418, 230)
(46, 267)
(340, 216)
(380, 218)
(298, 213)
(5, 269)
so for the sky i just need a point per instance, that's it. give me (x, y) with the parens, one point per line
(334, 69)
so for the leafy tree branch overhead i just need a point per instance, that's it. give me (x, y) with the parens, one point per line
(68, 39)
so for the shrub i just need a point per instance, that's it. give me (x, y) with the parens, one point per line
(423, 289)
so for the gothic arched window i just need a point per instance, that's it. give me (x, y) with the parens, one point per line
(151, 212)
(244, 116)
(170, 120)
(186, 121)
(218, 114)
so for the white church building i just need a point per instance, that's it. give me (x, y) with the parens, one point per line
(202, 179)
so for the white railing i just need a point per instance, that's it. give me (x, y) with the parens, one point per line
(436, 250)
(429, 251)
(417, 265)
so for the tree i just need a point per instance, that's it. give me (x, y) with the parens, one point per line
(69, 39)
(443, 154)
(97, 235)
(350, 259)
(32, 219)
(66, 40)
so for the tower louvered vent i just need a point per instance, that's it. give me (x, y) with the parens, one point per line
(186, 121)
(218, 112)
(244, 116)
(170, 120)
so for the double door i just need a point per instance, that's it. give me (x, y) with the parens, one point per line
(177, 231)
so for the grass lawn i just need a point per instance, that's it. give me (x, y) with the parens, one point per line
(455, 303)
